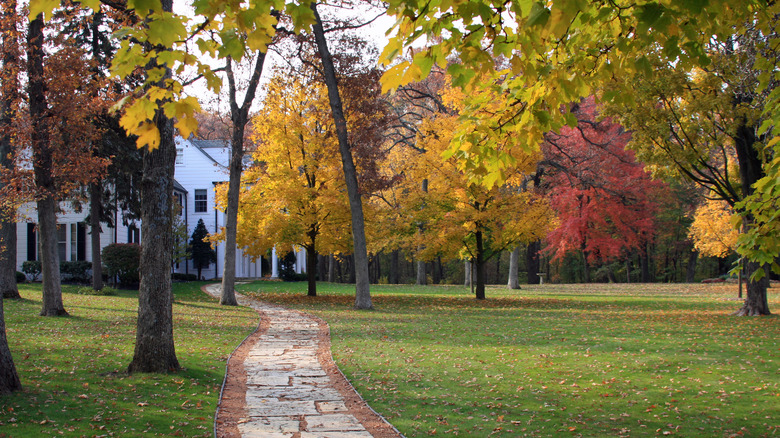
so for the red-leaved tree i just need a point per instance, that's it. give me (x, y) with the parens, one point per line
(601, 193)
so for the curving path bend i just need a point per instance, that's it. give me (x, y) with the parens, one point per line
(289, 393)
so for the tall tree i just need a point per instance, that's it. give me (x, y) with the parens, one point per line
(703, 125)
(239, 115)
(466, 220)
(9, 95)
(42, 167)
(9, 104)
(362, 291)
(601, 194)
(294, 195)
(154, 347)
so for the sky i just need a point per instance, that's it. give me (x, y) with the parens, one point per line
(375, 32)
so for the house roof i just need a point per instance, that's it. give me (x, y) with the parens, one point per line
(202, 145)
(178, 187)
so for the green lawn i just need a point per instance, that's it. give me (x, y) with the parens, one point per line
(552, 360)
(73, 368)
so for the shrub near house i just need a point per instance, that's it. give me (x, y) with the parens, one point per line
(122, 261)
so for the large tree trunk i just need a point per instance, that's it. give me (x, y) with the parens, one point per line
(154, 349)
(50, 259)
(42, 168)
(750, 170)
(532, 262)
(480, 289)
(514, 269)
(362, 286)
(756, 302)
(9, 379)
(9, 45)
(95, 213)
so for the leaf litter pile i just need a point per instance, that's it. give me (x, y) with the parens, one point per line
(73, 369)
(555, 360)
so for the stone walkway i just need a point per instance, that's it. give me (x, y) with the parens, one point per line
(289, 394)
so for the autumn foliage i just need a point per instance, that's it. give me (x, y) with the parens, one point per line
(603, 196)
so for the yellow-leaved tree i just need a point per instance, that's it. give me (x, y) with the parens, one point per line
(294, 195)
(712, 230)
(463, 218)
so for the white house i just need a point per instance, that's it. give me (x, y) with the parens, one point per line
(200, 166)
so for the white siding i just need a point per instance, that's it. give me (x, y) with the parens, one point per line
(196, 168)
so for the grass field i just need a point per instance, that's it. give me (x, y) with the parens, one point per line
(553, 360)
(73, 368)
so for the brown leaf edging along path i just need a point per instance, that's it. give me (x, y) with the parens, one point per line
(282, 382)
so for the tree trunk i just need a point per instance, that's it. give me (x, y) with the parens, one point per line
(436, 270)
(691, 268)
(750, 170)
(8, 99)
(480, 292)
(154, 349)
(331, 268)
(756, 302)
(311, 267)
(514, 269)
(9, 379)
(8, 287)
(42, 168)
(362, 289)
(467, 271)
(8, 96)
(532, 262)
(422, 278)
(239, 116)
(228, 296)
(95, 213)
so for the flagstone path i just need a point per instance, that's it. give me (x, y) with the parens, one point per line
(292, 387)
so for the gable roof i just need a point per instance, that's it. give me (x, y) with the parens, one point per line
(202, 145)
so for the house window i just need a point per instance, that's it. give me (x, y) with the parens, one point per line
(62, 242)
(201, 200)
(133, 234)
(32, 246)
(179, 156)
(74, 242)
(180, 202)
